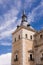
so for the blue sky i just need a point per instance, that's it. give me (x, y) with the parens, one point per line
(10, 17)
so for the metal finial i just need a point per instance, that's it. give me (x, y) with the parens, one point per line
(23, 11)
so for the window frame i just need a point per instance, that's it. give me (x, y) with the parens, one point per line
(31, 37)
(26, 36)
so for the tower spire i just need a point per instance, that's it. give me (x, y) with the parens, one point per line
(24, 12)
(24, 19)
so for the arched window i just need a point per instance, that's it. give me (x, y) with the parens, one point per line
(16, 57)
(31, 57)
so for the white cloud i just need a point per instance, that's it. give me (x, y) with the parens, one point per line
(28, 3)
(15, 3)
(6, 33)
(7, 26)
(42, 2)
(30, 17)
(10, 17)
(5, 44)
(8, 20)
(18, 4)
(5, 59)
(1, 1)
(37, 11)
(8, 23)
(7, 29)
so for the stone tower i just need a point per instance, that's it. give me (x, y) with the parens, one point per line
(22, 44)
(38, 48)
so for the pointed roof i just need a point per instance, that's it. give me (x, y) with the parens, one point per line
(24, 24)
(24, 27)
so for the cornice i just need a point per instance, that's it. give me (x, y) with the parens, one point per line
(23, 27)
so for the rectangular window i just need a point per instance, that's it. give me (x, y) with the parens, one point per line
(31, 37)
(26, 35)
(16, 58)
(41, 36)
(15, 39)
(30, 56)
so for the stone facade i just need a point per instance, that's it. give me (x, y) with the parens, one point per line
(38, 48)
(27, 46)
